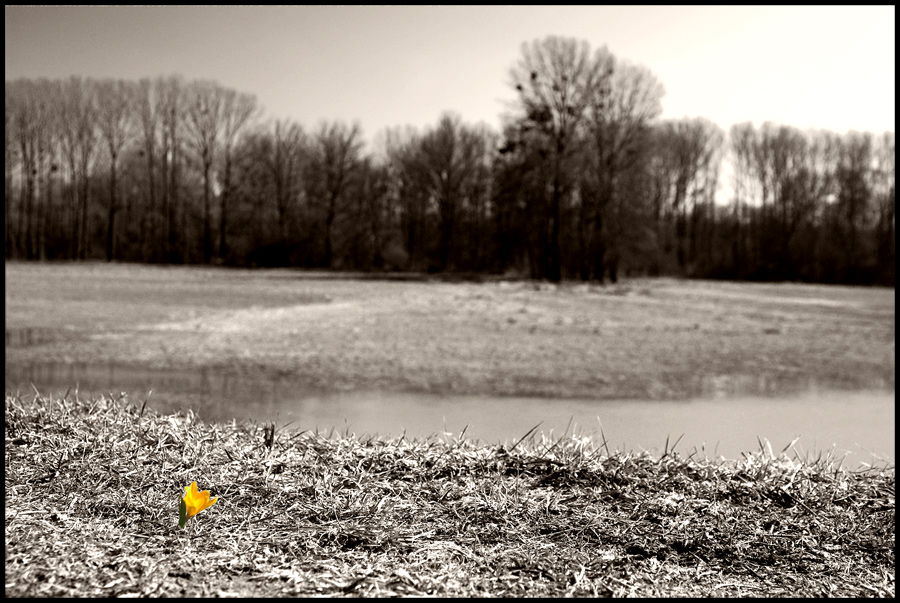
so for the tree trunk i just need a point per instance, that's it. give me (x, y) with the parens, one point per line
(329, 221)
(599, 247)
(151, 243)
(583, 241)
(554, 272)
(9, 203)
(180, 211)
(223, 221)
(111, 223)
(47, 222)
(207, 228)
(446, 238)
(73, 211)
(85, 193)
(25, 207)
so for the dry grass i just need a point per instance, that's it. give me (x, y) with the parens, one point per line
(92, 489)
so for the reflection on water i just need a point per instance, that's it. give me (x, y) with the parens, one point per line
(725, 422)
(23, 338)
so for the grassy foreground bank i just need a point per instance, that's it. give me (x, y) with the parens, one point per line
(92, 490)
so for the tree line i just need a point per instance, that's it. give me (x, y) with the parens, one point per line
(585, 181)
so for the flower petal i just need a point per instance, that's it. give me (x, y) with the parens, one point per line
(190, 500)
(196, 501)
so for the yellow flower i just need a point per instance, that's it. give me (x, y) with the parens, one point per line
(193, 502)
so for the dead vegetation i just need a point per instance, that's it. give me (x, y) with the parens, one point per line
(92, 489)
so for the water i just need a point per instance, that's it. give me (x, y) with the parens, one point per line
(731, 417)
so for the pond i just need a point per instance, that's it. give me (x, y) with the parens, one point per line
(732, 416)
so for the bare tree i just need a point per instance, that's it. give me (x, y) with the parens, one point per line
(29, 121)
(692, 148)
(477, 193)
(783, 179)
(11, 160)
(336, 155)
(204, 123)
(625, 103)
(69, 144)
(237, 112)
(401, 145)
(87, 147)
(803, 177)
(49, 160)
(79, 142)
(854, 194)
(284, 156)
(374, 195)
(149, 109)
(171, 98)
(21, 120)
(556, 80)
(42, 191)
(115, 99)
(741, 140)
(885, 177)
(447, 162)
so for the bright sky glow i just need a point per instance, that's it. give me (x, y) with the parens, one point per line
(810, 67)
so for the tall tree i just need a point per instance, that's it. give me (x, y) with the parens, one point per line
(204, 123)
(284, 157)
(401, 145)
(11, 159)
(885, 177)
(31, 120)
(49, 91)
(448, 162)
(623, 106)
(375, 197)
(854, 194)
(478, 211)
(24, 126)
(115, 99)
(696, 144)
(69, 145)
(149, 110)
(335, 157)
(172, 98)
(80, 144)
(237, 112)
(741, 154)
(556, 80)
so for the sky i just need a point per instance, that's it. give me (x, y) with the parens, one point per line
(809, 67)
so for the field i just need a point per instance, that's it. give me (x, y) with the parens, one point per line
(641, 339)
(92, 485)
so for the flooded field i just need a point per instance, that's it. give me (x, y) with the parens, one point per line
(721, 363)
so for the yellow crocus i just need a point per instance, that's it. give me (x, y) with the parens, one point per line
(193, 502)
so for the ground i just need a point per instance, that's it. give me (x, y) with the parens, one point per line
(642, 339)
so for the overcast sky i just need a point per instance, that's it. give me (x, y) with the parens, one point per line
(816, 67)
